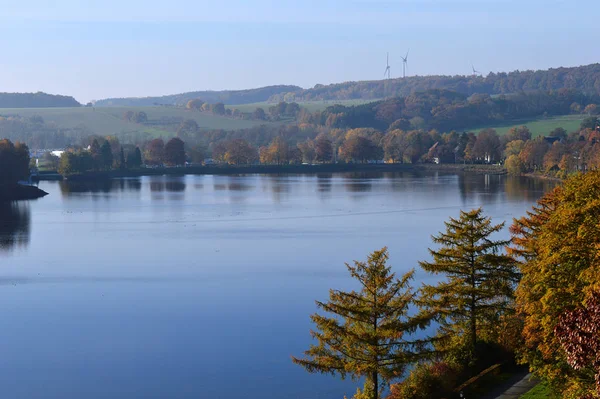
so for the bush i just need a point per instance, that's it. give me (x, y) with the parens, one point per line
(431, 380)
(514, 165)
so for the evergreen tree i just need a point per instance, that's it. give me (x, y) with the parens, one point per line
(106, 155)
(96, 154)
(134, 159)
(366, 335)
(479, 283)
(122, 163)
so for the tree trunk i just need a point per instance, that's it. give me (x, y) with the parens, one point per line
(375, 385)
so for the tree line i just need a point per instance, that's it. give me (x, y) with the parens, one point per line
(36, 100)
(445, 110)
(585, 79)
(532, 299)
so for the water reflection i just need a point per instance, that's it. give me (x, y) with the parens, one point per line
(496, 188)
(15, 221)
(168, 186)
(358, 182)
(324, 182)
(68, 187)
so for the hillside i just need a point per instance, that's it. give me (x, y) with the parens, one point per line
(36, 100)
(59, 127)
(585, 79)
(229, 97)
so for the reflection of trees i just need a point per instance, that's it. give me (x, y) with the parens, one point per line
(472, 186)
(169, 186)
(15, 221)
(493, 188)
(360, 181)
(527, 188)
(324, 182)
(280, 187)
(99, 186)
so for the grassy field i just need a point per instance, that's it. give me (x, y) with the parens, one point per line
(541, 126)
(540, 391)
(108, 120)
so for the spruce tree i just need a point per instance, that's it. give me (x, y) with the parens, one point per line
(122, 164)
(106, 155)
(366, 334)
(479, 280)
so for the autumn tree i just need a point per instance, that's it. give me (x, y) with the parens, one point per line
(487, 146)
(240, 152)
(174, 152)
(393, 145)
(277, 153)
(533, 153)
(518, 133)
(514, 166)
(195, 104)
(591, 109)
(155, 152)
(557, 243)
(359, 148)
(367, 334)
(478, 281)
(553, 156)
(323, 149)
(578, 331)
(514, 148)
(307, 150)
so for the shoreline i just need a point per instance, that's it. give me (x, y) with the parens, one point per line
(21, 192)
(277, 169)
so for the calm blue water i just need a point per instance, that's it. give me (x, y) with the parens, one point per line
(202, 286)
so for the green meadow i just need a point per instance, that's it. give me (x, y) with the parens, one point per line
(541, 126)
(162, 121)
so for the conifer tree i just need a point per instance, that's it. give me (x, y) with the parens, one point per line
(366, 334)
(479, 282)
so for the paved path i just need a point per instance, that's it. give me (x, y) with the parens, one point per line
(515, 387)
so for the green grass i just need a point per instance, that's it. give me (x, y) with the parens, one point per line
(541, 126)
(108, 120)
(540, 391)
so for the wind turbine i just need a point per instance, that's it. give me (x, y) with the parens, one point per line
(475, 72)
(404, 63)
(388, 70)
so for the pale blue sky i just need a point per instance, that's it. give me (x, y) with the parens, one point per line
(94, 49)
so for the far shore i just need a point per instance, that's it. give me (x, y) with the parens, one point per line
(276, 169)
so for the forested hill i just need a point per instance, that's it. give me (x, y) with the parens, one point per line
(445, 110)
(229, 97)
(36, 100)
(585, 79)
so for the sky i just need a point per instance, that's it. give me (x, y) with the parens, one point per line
(94, 49)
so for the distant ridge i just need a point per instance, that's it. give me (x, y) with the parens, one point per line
(585, 79)
(229, 97)
(36, 100)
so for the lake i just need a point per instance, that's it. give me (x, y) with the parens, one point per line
(202, 286)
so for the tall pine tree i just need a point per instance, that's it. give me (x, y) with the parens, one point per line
(366, 334)
(479, 280)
